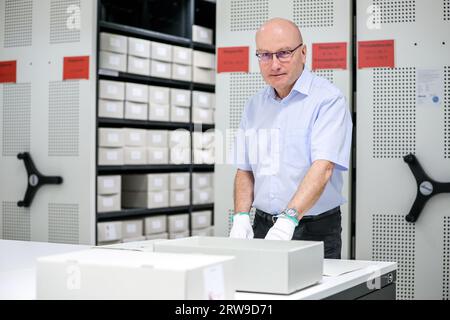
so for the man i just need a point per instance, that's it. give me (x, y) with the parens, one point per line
(309, 121)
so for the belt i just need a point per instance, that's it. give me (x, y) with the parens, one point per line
(272, 218)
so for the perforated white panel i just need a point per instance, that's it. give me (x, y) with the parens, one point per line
(326, 73)
(393, 239)
(395, 11)
(313, 13)
(16, 222)
(64, 21)
(248, 14)
(446, 10)
(394, 112)
(63, 223)
(447, 112)
(446, 260)
(18, 21)
(64, 110)
(16, 118)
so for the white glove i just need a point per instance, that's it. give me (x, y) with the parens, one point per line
(283, 229)
(242, 229)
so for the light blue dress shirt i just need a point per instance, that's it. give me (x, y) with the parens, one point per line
(278, 141)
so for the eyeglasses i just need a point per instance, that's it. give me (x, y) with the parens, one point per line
(282, 56)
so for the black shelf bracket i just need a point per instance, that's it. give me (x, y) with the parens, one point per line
(426, 188)
(35, 180)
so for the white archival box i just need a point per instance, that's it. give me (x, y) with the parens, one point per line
(270, 266)
(128, 274)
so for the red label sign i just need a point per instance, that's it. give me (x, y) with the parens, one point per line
(8, 71)
(232, 59)
(76, 68)
(329, 55)
(376, 54)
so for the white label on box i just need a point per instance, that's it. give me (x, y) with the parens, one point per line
(203, 34)
(114, 42)
(202, 181)
(136, 155)
(201, 220)
(214, 283)
(158, 197)
(203, 196)
(108, 183)
(112, 155)
(139, 47)
(156, 224)
(137, 92)
(179, 196)
(139, 64)
(158, 154)
(179, 224)
(180, 181)
(113, 137)
(160, 112)
(181, 98)
(114, 60)
(131, 228)
(136, 109)
(134, 136)
(182, 55)
(203, 113)
(110, 233)
(161, 51)
(202, 99)
(182, 71)
(161, 68)
(111, 107)
(157, 182)
(108, 202)
(157, 138)
(159, 96)
(180, 112)
(111, 89)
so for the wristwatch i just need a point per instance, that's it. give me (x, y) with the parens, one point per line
(291, 214)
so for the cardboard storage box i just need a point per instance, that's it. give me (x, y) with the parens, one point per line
(179, 138)
(150, 200)
(180, 97)
(201, 219)
(110, 156)
(205, 232)
(160, 69)
(136, 92)
(107, 203)
(202, 75)
(99, 273)
(178, 223)
(202, 34)
(110, 137)
(202, 180)
(155, 225)
(135, 155)
(112, 90)
(138, 245)
(113, 61)
(159, 95)
(179, 235)
(159, 236)
(203, 140)
(135, 137)
(109, 185)
(113, 42)
(202, 115)
(201, 196)
(139, 47)
(158, 112)
(205, 156)
(202, 99)
(181, 72)
(109, 231)
(182, 55)
(180, 114)
(204, 60)
(136, 111)
(157, 138)
(179, 198)
(133, 240)
(132, 229)
(145, 182)
(157, 156)
(161, 51)
(292, 265)
(136, 65)
(110, 109)
(179, 181)
(180, 155)
(108, 243)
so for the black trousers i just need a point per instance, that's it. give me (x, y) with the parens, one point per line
(324, 227)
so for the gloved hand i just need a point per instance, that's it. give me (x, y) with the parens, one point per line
(283, 229)
(242, 229)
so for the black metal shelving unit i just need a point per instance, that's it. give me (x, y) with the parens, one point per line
(118, 18)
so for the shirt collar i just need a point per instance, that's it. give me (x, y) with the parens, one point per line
(302, 84)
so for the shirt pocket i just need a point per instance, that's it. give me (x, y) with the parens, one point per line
(296, 148)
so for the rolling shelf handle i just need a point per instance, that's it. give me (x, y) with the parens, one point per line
(35, 179)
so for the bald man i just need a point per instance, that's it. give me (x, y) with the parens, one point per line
(294, 143)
